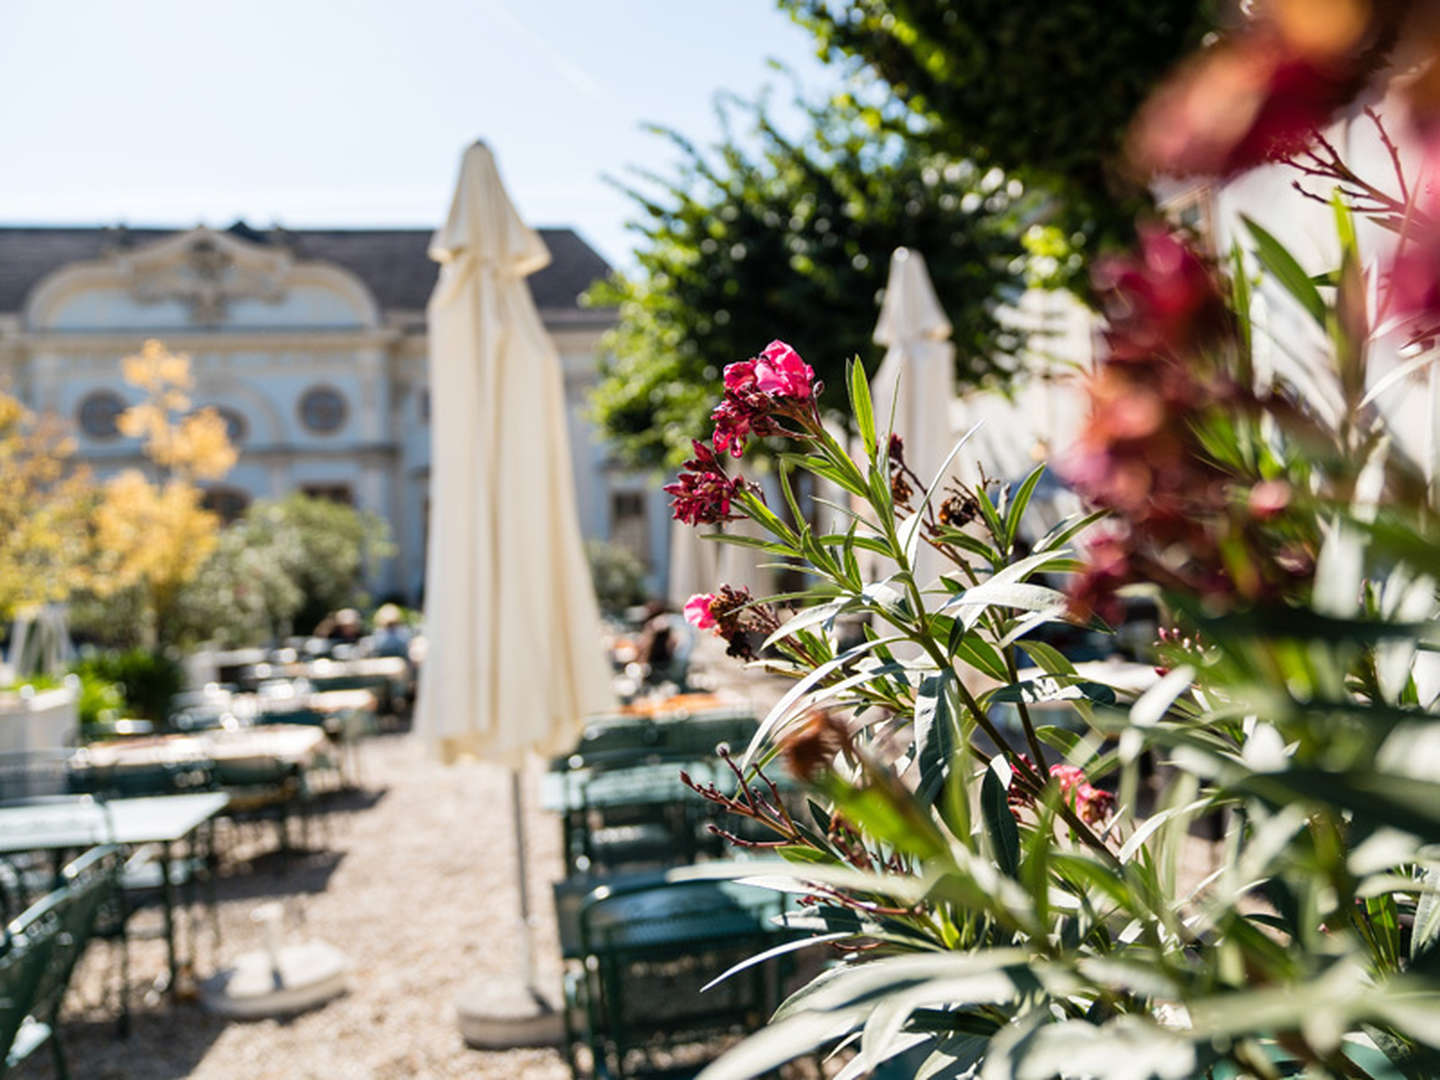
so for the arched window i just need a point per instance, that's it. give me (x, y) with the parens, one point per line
(99, 414)
(236, 426)
(228, 502)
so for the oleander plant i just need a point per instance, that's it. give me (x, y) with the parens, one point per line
(1023, 902)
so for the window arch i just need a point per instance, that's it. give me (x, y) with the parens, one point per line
(229, 502)
(237, 428)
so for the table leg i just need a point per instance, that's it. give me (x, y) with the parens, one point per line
(167, 894)
(212, 893)
(191, 864)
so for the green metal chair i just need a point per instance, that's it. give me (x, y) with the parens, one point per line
(641, 950)
(617, 741)
(132, 781)
(264, 789)
(39, 953)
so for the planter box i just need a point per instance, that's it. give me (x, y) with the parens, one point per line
(43, 720)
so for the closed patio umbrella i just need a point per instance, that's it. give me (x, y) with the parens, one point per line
(694, 565)
(515, 658)
(917, 377)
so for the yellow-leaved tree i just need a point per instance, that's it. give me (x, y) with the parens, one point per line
(46, 508)
(153, 533)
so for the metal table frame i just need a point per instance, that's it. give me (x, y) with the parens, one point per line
(67, 823)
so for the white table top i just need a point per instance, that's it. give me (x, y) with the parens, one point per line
(80, 821)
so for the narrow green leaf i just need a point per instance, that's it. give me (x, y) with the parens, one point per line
(1240, 302)
(1000, 823)
(863, 408)
(1020, 501)
(1285, 270)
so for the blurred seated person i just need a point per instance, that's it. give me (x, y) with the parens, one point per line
(392, 636)
(346, 627)
(665, 647)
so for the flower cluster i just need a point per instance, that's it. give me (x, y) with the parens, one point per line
(1162, 301)
(703, 492)
(1260, 93)
(1093, 804)
(900, 489)
(760, 391)
(735, 616)
(1138, 455)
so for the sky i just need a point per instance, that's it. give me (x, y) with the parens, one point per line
(355, 112)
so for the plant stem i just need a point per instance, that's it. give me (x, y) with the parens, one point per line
(1024, 712)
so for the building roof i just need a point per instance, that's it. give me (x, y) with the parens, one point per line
(392, 262)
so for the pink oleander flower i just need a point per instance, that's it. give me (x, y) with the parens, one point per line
(1162, 299)
(698, 611)
(758, 390)
(1093, 804)
(1257, 95)
(779, 371)
(1068, 777)
(703, 493)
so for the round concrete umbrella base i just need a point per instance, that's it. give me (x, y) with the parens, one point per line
(270, 983)
(498, 1013)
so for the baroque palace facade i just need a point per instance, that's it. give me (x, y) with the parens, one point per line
(312, 345)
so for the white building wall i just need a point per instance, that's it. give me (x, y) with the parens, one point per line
(258, 355)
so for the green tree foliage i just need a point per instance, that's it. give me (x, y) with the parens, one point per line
(279, 570)
(1044, 89)
(322, 548)
(245, 593)
(618, 575)
(792, 240)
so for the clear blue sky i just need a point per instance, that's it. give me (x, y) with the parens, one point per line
(354, 112)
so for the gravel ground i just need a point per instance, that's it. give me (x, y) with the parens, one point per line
(415, 884)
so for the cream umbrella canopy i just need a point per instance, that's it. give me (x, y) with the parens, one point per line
(916, 380)
(515, 657)
(514, 634)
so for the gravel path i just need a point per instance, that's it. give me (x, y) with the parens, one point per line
(415, 884)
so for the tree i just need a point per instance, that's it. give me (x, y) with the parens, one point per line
(792, 240)
(45, 538)
(1045, 90)
(154, 535)
(244, 594)
(321, 547)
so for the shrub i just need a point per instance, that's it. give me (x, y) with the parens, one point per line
(1015, 905)
(147, 680)
(618, 575)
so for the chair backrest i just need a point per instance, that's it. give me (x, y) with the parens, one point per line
(622, 740)
(44, 942)
(133, 781)
(26, 774)
(651, 947)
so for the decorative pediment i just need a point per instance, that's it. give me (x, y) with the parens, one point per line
(205, 270)
(201, 279)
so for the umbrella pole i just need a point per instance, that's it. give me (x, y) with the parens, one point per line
(527, 932)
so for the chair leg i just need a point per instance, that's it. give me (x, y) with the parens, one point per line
(123, 944)
(212, 895)
(56, 1051)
